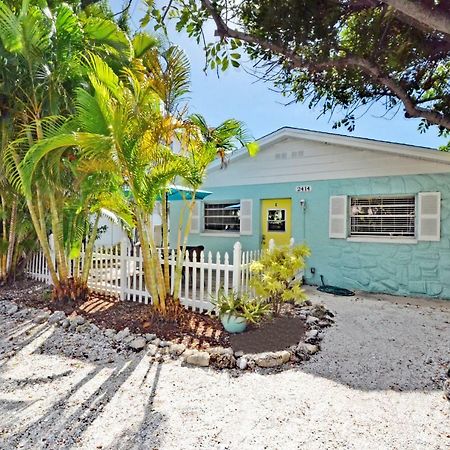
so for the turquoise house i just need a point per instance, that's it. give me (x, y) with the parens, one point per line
(375, 214)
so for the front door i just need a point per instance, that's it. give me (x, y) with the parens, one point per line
(275, 221)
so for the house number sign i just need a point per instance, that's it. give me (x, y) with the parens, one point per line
(303, 188)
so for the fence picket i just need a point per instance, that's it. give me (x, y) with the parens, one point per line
(186, 278)
(226, 274)
(118, 271)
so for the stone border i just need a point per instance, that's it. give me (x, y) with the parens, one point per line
(316, 317)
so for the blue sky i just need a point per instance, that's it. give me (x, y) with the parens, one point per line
(237, 94)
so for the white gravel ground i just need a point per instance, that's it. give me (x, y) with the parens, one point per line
(376, 384)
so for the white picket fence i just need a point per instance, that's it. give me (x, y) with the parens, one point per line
(118, 271)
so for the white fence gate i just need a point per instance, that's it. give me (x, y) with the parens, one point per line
(118, 271)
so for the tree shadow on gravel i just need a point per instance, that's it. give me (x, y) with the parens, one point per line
(90, 401)
(378, 350)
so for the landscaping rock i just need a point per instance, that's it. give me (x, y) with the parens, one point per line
(311, 336)
(323, 323)
(150, 337)
(122, 334)
(109, 333)
(156, 342)
(164, 343)
(311, 320)
(12, 309)
(138, 344)
(222, 358)
(84, 327)
(152, 349)
(56, 317)
(65, 323)
(242, 363)
(197, 358)
(41, 317)
(272, 359)
(239, 354)
(447, 389)
(309, 349)
(78, 320)
(177, 349)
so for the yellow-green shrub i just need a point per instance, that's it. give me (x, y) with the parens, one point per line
(273, 275)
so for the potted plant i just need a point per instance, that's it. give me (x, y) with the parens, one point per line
(237, 310)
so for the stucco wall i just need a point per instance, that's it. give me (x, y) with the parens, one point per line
(422, 268)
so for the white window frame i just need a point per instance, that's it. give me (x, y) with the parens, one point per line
(383, 238)
(219, 232)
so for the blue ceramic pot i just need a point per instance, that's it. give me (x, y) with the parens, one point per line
(233, 324)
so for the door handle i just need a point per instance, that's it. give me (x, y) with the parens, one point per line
(263, 239)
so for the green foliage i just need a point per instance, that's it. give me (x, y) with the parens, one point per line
(339, 56)
(274, 275)
(241, 305)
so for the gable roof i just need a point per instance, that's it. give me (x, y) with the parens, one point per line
(394, 148)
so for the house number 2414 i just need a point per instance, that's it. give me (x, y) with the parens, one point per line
(304, 188)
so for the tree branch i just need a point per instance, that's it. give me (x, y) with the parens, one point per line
(431, 18)
(367, 67)
(125, 9)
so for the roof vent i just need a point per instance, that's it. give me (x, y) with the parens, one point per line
(297, 154)
(281, 155)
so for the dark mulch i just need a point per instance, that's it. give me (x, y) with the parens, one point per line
(192, 328)
(278, 334)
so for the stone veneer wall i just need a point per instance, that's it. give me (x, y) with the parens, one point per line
(406, 269)
(421, 269)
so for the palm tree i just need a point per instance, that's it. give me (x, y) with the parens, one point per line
(42, 51)
(126, 125)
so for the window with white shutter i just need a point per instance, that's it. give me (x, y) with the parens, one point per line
(246, 216)
(195, 218)
(429, 216)
(338, 217)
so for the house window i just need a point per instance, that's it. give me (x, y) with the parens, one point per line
(383, 216)
(223, 216)
(276, 220)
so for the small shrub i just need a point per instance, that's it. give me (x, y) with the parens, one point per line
(241, 305)
(274, 275)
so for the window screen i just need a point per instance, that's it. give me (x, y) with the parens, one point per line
(222, 216)
(383, 216)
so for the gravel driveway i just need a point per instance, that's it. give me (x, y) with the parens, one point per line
(376, 384)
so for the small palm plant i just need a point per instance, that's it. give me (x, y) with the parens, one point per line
(274, 275)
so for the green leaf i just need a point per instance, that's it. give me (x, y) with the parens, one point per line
(143, 42)
(106, 33)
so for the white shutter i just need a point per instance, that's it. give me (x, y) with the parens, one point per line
(195, 218)
(338, 217)
(246, 216)
(429, 216)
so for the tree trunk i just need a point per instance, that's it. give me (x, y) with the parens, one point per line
(181, 252)
(12, 237)
(4, 238)
(89, 250)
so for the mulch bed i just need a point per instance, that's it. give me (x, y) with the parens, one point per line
(193, 329)
(278, 334)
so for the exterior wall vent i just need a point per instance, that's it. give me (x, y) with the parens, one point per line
(297, 154)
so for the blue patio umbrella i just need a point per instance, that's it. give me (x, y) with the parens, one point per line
(178, 192)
